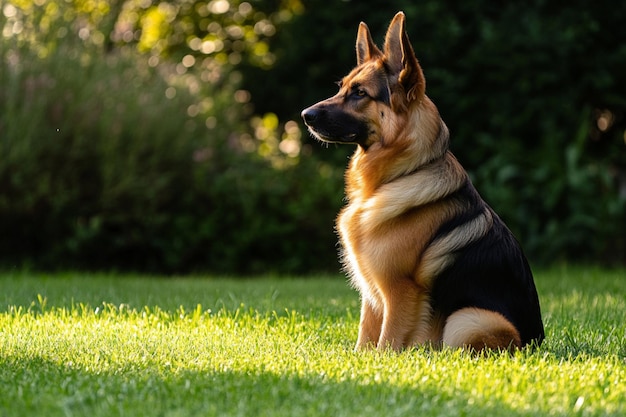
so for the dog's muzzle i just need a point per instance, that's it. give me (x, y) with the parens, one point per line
(331, 124)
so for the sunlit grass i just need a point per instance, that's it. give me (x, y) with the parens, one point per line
(108, 345)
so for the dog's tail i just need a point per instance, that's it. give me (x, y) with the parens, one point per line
(480, 329)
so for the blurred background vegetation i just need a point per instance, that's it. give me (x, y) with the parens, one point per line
(164, 136)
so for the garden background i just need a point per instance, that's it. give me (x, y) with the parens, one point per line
(164, 136)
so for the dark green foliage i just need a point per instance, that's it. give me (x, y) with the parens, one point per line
(100, 170)
(533, 94)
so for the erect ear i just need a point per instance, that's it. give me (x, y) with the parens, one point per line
(401, 59)
(365, 47)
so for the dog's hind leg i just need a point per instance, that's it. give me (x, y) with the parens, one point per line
(480, 329)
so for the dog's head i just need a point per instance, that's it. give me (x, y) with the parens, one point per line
(374, 99)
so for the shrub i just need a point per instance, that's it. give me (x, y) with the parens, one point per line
(111, 162)
(532, 93)
(188, 158)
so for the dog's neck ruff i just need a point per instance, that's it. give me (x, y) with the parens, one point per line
(441, 150)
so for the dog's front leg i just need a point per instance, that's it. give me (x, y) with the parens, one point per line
(403, 315)
(369, 327)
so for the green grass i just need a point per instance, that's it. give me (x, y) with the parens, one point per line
(98, 345)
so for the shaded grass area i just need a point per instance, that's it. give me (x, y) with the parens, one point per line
(101, 345)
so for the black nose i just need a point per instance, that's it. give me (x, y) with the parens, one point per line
(309, 115)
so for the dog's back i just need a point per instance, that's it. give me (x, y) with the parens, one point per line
(491, 273)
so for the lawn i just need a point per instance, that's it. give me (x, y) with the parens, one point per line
(110, 345)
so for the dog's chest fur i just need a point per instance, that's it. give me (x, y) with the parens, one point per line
(380, 246)
(386, 233)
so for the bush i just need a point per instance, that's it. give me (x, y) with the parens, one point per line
(110, 162)
(187, 157)
(532, 93)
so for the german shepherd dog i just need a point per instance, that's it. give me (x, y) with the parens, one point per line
(432, 261)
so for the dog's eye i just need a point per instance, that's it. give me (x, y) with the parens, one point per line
(359, 93)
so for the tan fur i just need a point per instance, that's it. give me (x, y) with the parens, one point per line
(440, 253)
(480, 329)
(390, 220)
(396, 186)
